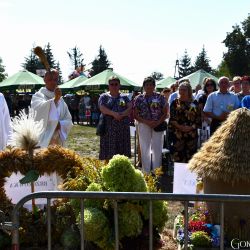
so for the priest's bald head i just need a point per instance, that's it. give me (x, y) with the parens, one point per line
(51, 79)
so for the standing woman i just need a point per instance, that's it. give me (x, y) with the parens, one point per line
(150, 111)
(116, 109)
(185, 119)
(208, 88)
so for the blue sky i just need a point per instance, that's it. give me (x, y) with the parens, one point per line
(139, 36)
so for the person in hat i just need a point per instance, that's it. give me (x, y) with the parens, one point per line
(5, 123)
(51, 108)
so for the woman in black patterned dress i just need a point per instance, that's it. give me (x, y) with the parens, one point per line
(116, 109)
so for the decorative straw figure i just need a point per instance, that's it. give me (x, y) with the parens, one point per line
(223, 164)
(26, 133)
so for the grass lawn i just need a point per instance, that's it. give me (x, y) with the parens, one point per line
(84, 141)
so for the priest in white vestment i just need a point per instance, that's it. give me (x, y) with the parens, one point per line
(51, 108)
(5, 123)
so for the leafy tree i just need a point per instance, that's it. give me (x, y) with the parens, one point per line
(76, 57)
(60, 78)
(185, 67)
(246, 29)
(202, 61)
(237, 56)
(157, 76)
(3, 75)
(222, 70)
(100, 63)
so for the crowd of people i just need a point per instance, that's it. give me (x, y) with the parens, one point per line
(185, 110)
(178, 113)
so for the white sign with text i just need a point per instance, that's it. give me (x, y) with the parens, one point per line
(184, 179)
(16, 191)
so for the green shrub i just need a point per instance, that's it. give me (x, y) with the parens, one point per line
(200, 239)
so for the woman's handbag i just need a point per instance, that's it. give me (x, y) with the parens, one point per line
(100, 128)
(161, 127)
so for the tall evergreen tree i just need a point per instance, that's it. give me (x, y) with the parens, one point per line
(202, 61)
(76, 57)
(3, 74)
(100, 63)
(185, 67)
(32, 63)
(60, 78)
(237, 57)
(50, 56)
(157, 75)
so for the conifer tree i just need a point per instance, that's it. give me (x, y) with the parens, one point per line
(3, 74)
(185, 67)
(100, 63)
(50, 56)
(202, 61)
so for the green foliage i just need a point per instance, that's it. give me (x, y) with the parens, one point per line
(119, 174)
(70, 238)
(50, 56)
(130, 221)
(140, 184)
(96, 224)
(91, 202)
(157, 76)
(5, 240)
(202, 61)
(160, 213)
(100, 63)
(32, 63)
(185, 67)
(200, 239)
(60, 79)
(237, 57)
(3, 75)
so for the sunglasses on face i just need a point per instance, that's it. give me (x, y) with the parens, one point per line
(209, 84)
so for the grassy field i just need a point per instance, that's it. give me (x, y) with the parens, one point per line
(84, 141)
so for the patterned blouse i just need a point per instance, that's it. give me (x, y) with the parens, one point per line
(185, 113)
(116, 104)
(150, 107)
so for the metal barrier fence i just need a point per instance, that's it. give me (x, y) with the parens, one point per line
(221, 199)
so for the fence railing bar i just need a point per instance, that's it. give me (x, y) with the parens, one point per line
(82, 224)
(186, 225)
(219, 198)
(49, 223)
(221, 225)
(150, 225)
(116, 225)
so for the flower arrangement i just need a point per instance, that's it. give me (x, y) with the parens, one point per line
(201, 233)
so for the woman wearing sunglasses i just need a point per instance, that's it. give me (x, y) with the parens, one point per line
(116, 109)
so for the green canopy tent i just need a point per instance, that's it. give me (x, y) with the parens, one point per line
(72, 83)
(22, 80)
(100, 81)
(198, 77)
(166, 82)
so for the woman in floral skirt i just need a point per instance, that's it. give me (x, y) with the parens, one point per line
(116, 109)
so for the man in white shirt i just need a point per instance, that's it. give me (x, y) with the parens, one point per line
(5, 123)
(51, 108)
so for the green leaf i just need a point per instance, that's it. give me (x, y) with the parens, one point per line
(30, 176)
